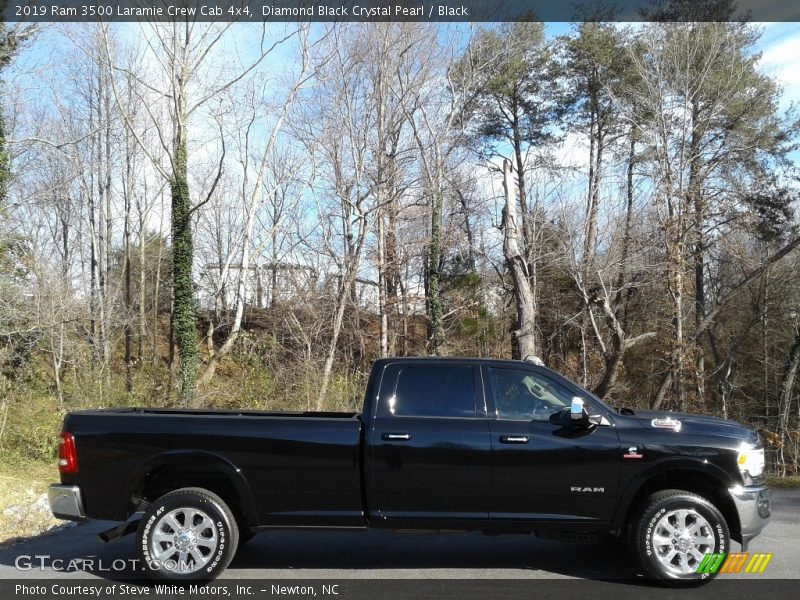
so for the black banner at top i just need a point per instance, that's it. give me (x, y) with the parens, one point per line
(399, 10)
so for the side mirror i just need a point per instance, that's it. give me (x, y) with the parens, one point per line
(573, 416)
(562, 418)
(576, 410)
(576, 417)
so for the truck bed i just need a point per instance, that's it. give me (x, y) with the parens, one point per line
(297, 467)
(223, 413)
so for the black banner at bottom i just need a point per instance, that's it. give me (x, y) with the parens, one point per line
(396, 589)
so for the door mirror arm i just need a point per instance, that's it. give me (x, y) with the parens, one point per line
(598, 420)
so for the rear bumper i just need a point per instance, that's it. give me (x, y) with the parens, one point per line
(754, 505)
(66, 502)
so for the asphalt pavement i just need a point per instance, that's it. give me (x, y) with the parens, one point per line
(75, 552)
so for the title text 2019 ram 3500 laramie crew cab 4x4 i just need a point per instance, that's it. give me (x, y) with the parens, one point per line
(492, 445)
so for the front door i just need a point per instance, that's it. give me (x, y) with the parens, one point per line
(429, 448)
(542, 471)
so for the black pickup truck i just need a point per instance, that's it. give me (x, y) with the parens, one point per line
(471, 444)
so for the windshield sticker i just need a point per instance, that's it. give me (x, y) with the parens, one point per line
(666, 423)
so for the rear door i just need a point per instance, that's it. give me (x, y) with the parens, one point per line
(542, 471)
(429, 450)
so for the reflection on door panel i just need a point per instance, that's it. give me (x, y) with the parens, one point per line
(536, 463)
(430, 445)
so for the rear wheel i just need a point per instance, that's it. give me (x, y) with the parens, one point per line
(674, 532)
(189, 533)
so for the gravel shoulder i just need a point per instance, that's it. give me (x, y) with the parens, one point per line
(24, 510)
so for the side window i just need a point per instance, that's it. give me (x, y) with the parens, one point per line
(525, 395)
(433, 391)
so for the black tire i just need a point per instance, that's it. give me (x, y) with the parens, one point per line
(212, 536)
(698, 528)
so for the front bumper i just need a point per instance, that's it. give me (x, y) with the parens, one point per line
(754, 505)
(66, 502)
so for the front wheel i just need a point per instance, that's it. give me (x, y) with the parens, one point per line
(188, 533)
(674, 532)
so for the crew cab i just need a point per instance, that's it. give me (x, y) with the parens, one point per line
(442, 443)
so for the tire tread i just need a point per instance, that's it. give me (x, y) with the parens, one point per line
(210, 497)
(639, 523)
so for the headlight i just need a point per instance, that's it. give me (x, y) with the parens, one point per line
(751, 460)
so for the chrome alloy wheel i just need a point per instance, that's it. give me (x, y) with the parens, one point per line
(183, 540)
(681, 539)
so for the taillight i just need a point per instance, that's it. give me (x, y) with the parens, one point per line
(67, 457)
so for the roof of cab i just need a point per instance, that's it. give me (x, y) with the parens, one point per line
(455, 359)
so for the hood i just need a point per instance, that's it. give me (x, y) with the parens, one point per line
(693, 424)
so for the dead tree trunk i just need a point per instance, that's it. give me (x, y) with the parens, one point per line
(525, 332)
(785, 399)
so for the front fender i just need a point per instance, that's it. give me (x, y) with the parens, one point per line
(657, 468)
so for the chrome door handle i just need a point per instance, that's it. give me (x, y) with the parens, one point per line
(395, 437)
(514, 439)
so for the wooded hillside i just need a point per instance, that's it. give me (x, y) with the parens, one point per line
(246, 216)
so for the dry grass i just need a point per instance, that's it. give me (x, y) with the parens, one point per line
(24, 511)
(790, 481)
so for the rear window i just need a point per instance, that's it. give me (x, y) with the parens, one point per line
(433, 391)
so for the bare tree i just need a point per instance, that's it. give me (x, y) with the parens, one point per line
(185, 53)
(252, 198)
(517, 265)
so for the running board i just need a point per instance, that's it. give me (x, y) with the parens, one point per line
(570, 537)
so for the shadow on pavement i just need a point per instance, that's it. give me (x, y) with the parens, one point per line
(76, 552)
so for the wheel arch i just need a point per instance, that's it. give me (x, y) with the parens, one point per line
(702, 478)
(169, 471)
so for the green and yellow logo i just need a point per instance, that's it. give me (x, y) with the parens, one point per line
(735, 562)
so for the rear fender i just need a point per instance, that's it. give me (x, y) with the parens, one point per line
(215, 463)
